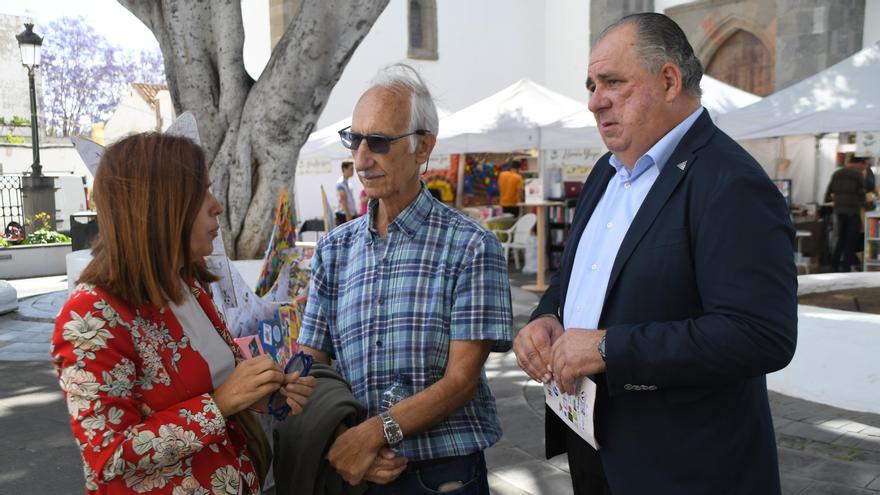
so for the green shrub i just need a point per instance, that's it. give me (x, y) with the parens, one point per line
(3, 243)
(40, 231)
(45, 236)
(15, 139)
(20, 121)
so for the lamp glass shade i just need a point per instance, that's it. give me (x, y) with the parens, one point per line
(30, 54)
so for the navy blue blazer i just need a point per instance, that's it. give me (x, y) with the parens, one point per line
(701, 304)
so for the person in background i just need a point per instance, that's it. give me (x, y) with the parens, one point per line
(677, 292)
(345, 207)
(156, 389)
(409, 300)
(510, 188)
(847, 191)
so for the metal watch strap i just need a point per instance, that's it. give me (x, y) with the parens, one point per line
(390, 429)
(602, 348)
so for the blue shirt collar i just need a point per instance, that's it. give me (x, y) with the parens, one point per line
(408, 221)
(659, 153)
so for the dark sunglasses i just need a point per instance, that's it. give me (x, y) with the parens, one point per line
(376, 142)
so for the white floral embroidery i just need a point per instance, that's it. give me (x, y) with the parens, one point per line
(225, 481)
(189, 486)
(86, 334)
(108, 313)
(209, 418)
(80, 387)
(117, 382)
(115, 465)
(173, 444)
(142, 480)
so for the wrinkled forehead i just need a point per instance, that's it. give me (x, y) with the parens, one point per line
(617, 45)
(381, 111)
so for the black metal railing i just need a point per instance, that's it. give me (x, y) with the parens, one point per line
(10, 200)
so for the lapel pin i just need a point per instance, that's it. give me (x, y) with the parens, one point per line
(682, 165)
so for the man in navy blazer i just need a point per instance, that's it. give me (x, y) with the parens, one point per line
(677, 292)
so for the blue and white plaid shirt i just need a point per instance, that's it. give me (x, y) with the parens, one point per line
(387, 309)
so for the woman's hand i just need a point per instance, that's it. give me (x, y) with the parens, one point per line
(251, 380)
(297, 390)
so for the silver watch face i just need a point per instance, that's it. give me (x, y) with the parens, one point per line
(391, 429)
(393, 435)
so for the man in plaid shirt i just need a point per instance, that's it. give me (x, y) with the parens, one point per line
(409, 299)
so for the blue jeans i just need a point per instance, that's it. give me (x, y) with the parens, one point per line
(425, 477)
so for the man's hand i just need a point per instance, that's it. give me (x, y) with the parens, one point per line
(355, 450)
(533, 345)
(576, 354)
(386, 467)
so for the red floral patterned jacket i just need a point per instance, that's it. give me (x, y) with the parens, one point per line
(139, 400)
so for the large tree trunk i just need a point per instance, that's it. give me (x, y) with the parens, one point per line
(252, 131)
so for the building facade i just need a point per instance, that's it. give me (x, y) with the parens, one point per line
(14, 86)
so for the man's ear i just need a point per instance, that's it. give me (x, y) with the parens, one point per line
(672, 81)
(424, 147)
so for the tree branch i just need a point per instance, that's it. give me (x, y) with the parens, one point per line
(287, 100)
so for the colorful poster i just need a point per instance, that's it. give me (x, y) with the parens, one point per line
(283, 237)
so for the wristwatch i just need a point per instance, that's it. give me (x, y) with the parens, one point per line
(391, 429)
(602, 348)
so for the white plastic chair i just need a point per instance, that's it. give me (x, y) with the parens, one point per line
(517, 237)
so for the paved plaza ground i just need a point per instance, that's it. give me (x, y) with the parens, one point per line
(822, 449)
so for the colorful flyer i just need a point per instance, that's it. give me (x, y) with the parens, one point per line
(576, 411)
(250, 346)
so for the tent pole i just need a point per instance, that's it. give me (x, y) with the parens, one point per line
(817, 167)
(459, 182)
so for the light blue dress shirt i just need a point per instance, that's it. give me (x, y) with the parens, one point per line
(600, 242)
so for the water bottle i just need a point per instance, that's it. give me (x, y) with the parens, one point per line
(393, 394)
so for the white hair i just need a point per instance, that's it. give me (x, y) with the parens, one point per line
(422, 110)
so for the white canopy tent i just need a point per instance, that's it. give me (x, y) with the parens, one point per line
(578, 130)
(508, 120)
(787, 132)
(842, 98)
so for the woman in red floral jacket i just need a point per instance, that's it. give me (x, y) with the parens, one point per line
(155, 387)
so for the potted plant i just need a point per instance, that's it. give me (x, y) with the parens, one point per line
(43, 235)
(39, 252)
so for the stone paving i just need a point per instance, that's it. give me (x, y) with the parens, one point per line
(822, 449)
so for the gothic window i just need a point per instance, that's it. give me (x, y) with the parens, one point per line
(745, 62)
(422, 17)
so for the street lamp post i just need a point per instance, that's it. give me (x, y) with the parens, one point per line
(37, 190)
(29, 43)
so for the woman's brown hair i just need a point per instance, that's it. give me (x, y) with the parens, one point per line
(148, 191)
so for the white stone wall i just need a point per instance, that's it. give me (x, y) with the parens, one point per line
(132, 115)
(14, 86)
(483, 47)
(57, 159)
(872, 23)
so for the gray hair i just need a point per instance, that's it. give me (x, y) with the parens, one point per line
(422, 110)
(661, 40)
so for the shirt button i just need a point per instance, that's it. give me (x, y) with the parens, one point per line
(595, 266)
(380, 301)
(627, 185)
(609, 225)
(378, 343)
(578, 307)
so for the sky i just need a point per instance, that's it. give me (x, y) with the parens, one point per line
(123, 29)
